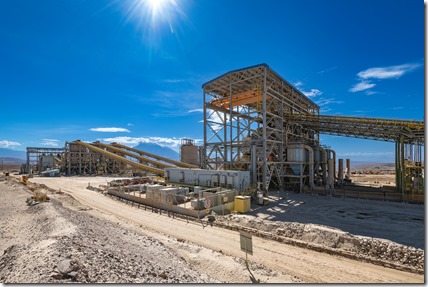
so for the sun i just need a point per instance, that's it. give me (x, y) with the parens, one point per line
(158, 8)
(156, 19)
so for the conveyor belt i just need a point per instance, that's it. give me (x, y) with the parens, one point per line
(369, 128)
(122, 159)
(122, 151)
(177, 163)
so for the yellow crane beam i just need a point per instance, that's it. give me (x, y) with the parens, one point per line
(244, 98)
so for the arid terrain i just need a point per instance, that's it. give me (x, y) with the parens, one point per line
(81, 235)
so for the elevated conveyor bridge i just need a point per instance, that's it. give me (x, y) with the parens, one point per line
(390, 130)
(408, 135)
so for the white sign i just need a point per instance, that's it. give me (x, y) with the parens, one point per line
(246, 242)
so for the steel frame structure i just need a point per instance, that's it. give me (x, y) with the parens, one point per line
(245, 125)
(408, 136)
(34, 154)
(252, 115)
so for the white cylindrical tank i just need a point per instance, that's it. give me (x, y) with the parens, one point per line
(296, 153)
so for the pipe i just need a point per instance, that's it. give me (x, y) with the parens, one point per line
(311, 165)
(348, 168)
(334, 162)
(324, 166)
(340, 173)
(330, 180)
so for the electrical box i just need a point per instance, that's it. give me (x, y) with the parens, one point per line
(242, 203)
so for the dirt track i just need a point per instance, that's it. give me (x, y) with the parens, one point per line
(294, 263)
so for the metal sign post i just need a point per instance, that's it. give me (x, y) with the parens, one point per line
(246, 242)
(247, 247)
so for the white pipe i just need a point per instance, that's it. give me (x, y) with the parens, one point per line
(334, 162)
(348, 168)
(311, 166)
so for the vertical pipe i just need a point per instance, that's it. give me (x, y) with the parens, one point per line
(254, 163)
(204, 156)
(231, 124)
(403, 167)
(330, 180)
(324, 166)
(397, 166)
(348, 168)
(264, 135)
(311, 166)
(340, 172)
(28, 162)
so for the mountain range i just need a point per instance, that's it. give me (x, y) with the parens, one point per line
(158, 150)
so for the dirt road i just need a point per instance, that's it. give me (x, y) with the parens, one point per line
(306, 265)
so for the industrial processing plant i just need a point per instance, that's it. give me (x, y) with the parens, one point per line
(260, 134)
(260, 170)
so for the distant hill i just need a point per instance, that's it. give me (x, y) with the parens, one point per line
(372, 165)
(5, 152)
(158, 150)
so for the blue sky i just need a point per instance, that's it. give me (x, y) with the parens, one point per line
(132, 71)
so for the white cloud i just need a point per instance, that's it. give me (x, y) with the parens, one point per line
(173, 81)
(216, 119)
(172, 143)
(130, 124)
(362, 86)
(298, 84)
(109, 130)
(50, 142)
(196, 111)
(327, 70)
(312, 93)
(370, 92)
(387, 72)
(8, 144)
(380, 73)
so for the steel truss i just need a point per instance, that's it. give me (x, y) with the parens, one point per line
(245, 125)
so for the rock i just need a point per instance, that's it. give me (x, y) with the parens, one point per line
(64, 266)
(57, 275)
(72, 274)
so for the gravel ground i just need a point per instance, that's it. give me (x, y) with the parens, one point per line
(64, 241)
(53, 244)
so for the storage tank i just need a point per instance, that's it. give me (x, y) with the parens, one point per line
(189, 153)
(296, 153)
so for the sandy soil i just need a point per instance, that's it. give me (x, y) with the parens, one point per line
(210, 254)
